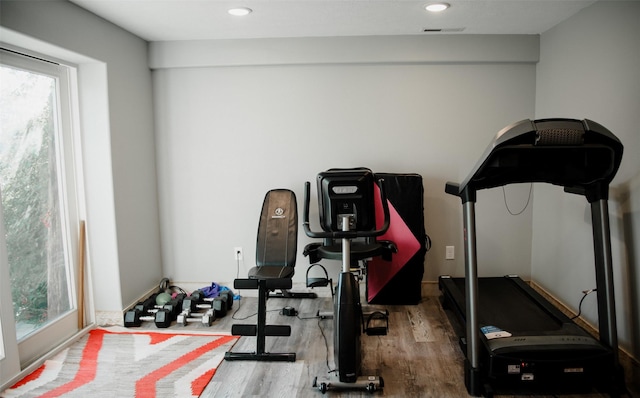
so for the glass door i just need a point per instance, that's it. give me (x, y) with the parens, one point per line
(39, 205)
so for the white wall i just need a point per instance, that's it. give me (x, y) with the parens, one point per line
(237, 123)
(589, 68)
(117, 138)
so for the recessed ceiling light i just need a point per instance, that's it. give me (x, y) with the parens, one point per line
(437, 7)
(240, 11)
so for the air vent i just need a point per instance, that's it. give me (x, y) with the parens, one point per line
(442, 30)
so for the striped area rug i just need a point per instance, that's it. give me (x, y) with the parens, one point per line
(119, 363)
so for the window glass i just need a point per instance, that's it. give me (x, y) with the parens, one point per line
(32, 189)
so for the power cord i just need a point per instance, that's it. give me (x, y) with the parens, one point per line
(585, 293)
(233, 316)
(326, 344)
(504, 195)
(239, 296)
(290, 311)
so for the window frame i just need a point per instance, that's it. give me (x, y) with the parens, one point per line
(72, 205)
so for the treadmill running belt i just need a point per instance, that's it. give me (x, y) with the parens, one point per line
(506, 306)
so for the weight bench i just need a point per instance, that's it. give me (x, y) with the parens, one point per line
(276, 251)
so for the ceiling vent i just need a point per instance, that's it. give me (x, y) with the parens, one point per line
(442, 30)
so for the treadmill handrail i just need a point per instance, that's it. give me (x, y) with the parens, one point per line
(345, 234)
(499, 164)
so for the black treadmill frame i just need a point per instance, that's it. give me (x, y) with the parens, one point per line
(580, 155)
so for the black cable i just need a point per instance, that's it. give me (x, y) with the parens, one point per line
(326, 344)
(585, 293)
(233, 316)
(504, 195)
(239, 296)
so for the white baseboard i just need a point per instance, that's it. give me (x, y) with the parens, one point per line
(109, 318)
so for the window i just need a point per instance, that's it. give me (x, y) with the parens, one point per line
(39, 199)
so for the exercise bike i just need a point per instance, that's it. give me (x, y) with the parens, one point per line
(346, 201)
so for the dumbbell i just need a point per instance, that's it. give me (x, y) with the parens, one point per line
(132, 318)
(223, 303)
(174, 306)
(169, 312)
(198, 296)
(229, 296)
(143, 306)
(161, 317)
(206, 318)
(220, 306)
(148, 304)
(194, 301)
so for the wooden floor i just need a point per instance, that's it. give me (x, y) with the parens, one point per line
(419, 357)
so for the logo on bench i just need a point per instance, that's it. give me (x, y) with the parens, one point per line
(278, 213)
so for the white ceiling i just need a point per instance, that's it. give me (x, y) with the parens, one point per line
(164, 20)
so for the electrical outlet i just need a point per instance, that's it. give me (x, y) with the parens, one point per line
(450, 252)
(237, 252)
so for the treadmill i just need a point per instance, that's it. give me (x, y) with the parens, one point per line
(515, 340)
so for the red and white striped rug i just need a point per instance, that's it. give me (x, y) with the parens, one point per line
(115, 363)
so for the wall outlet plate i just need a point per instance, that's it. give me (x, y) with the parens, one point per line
(450, 253)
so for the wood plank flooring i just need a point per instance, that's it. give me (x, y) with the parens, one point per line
(419, 357)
